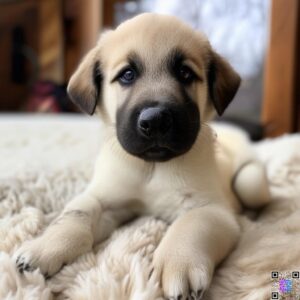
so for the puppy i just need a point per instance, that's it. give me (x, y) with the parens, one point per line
(156, 83)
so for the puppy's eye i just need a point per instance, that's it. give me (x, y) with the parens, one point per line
(127, 76)
(185, 74)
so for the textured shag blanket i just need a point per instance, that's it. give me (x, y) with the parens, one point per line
(45, 161)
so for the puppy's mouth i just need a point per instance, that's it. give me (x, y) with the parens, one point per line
(157, 153)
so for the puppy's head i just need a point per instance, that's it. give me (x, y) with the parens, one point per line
(155, 80)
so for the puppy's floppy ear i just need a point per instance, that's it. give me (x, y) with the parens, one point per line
(84, 87)
(223, 82)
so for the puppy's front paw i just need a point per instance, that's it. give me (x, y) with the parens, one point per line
(38, 253)
(184, 274)
(55, 248)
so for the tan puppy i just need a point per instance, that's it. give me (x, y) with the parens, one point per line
(156, 83)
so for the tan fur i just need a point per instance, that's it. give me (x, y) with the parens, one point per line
(192, 192)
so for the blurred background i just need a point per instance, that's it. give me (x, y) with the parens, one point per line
(42, 41)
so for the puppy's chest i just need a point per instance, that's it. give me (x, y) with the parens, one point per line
(163, 195)
(167, 195)
(169, 203)
(165, 190)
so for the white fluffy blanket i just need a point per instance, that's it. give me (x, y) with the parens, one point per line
(45, 161)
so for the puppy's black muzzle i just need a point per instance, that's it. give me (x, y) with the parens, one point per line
(156, 131)
(154, 122)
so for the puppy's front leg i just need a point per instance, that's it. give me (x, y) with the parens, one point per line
(193, 245)
(84, 221)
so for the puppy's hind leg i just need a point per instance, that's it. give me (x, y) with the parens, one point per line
(249, 179)
(251, 185)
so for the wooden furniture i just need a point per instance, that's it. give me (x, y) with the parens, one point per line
(18, 45)
(45, 40)
(108, 12)
(281, 102)
(82, 25)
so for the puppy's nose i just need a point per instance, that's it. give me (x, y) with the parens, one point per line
(154, 122)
